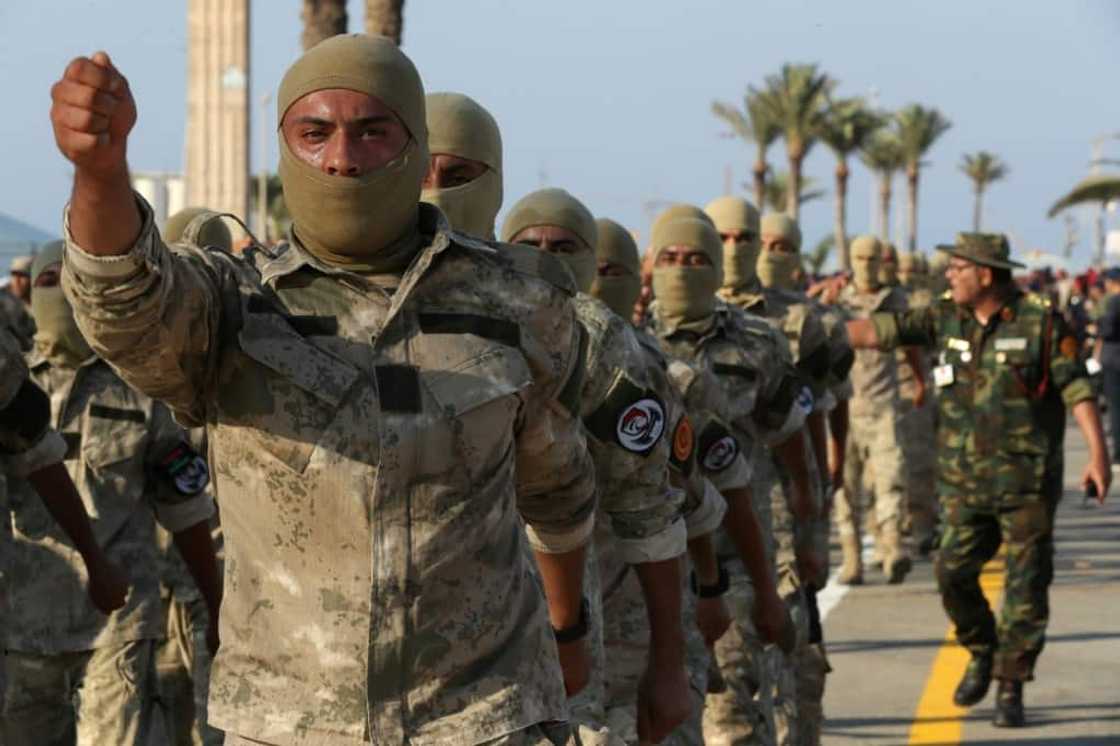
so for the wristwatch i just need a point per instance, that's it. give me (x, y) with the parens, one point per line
(712, 591)
(577, 631)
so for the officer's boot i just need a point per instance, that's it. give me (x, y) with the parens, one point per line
(896, 560)
(851, 572)
(1009, 705)
(975, 682)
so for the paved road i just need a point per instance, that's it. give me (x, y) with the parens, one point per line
(896, 664)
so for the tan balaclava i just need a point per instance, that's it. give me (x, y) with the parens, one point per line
(57, 336)
(459, 126)
(776, 269)
(866, 252)
(680, 211)
(198, 226)
(558, 208)
(911, 270)
(888, 266)
(736, 215)
(617, 247)
(366, 222)
(686, 296)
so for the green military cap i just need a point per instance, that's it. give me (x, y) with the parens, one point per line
(988, 249)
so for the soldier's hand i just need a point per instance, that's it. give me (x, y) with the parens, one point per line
(712, 618)
(664, 701)
(108, 585)
(575, 662)
(1098, 472)
(772, 620)
(92, 112)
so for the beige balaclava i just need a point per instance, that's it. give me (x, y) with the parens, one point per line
(366, 222)
(733, 214)
(459, 126)
(866, 252)
(617, 247)
(686, 296)
(911, 270)
(558, 208)
(198, 226)
(776, 269)
(888, 266)
(57, 336)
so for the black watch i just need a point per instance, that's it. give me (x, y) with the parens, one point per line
(577, 631)
(712, 591)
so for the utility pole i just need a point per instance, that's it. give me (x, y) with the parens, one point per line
(262, 174)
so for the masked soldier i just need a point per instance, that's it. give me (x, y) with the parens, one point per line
(1007, 371)
(126, 456)
(15, 300)
(385, 402)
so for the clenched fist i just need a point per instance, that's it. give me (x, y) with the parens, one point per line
(92, 112)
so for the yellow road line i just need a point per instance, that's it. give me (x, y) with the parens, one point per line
(937, 720)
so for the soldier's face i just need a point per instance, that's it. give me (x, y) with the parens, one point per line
(446, 171)
(777, 243)
(21, 285)
(967, 281)
(554, 239)
(343, 133)
(610, 269)
(737, 239)
(682, 256)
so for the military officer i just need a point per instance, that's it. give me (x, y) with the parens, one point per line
(384, 403)
(1007, 371)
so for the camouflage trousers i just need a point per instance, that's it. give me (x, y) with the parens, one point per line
(183, 675)
(89, 698)
(587, 708)
(551, 733)
(626, 633)
(971, 536)
(918, 439)
(874, 476)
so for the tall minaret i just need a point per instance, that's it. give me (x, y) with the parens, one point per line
(217, 169)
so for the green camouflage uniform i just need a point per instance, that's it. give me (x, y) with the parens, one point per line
(874, 475)
(375, 454)
(1002, 392)
(126, 456)
(751, 361)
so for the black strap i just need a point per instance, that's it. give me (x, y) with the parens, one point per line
(398, 387)
(498, 330)
(115, 413)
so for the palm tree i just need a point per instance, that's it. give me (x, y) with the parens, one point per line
(918, 128)
(883, 154)
(321, 20)
(848, 124)
(753, 125)
(796, 99)
(982, 168)
(385, 18)
(777, 192)
(814, 259)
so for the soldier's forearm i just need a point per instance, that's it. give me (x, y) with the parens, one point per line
(104, 219)
(837, 436)
(562, 578)
(661, 588)
(818, 435)
(196, 546)
(1089, 421)
(791, 454)
(54, 486)
(742, 526)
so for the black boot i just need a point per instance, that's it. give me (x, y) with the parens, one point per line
(975, 682)
(1009, 705)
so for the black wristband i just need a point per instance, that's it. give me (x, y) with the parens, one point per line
(712, 591)
(577, 631)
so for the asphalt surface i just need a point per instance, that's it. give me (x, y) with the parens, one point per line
(896, 664)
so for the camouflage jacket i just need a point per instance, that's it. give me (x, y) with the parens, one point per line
(1001, 390)
(127, 458)
(629, 410)
(875, 373)
(373, 454)
(915, 298)
(841, 356)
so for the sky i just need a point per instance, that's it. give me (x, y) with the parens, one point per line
(611, 100)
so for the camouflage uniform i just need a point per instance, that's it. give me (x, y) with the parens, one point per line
(374, 453)
(126, 456)
(628, 407)
(874, 475)
(1002, 387)
(750, 359)
(17, 319)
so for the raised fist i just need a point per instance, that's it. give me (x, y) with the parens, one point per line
(92, 112)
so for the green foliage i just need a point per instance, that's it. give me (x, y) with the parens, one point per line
(883, 153)
(752, 122)
(777, 191)
(983, 168)
(796, 99)
(918, 129)
(848, 124)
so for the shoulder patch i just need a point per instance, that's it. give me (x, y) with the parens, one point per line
(717, 448)
(684, 446)
(630, 416)
(185, 470)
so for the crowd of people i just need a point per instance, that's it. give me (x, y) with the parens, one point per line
(545, 489)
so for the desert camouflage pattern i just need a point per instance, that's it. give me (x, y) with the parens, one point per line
(1001, 425)
(375, 451)
(874, 374)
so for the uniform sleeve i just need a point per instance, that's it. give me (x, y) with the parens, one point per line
(47, 451)
(813, 356)
(180, 477)
(1067, 371)
(153, 315)
(707, 516)
(554, 473)
(629, 421)
(916, 327)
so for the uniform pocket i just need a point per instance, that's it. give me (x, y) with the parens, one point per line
(113, 435)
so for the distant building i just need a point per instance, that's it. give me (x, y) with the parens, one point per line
(165, 192)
